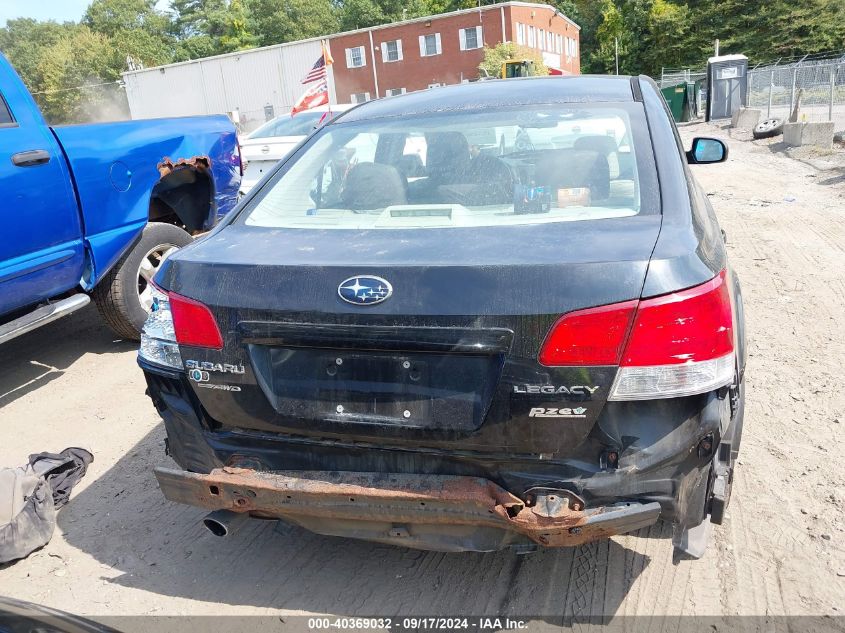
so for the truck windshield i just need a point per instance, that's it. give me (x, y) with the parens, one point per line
(469, 168)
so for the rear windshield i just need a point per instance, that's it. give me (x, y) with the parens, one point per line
(465, 169)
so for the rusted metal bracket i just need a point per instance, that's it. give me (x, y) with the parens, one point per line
(167, 166)
(404, 499)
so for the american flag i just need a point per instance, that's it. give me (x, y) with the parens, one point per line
(318, 70)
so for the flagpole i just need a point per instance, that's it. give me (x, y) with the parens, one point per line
(325, 58)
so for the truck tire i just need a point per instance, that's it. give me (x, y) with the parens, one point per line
(122, 296)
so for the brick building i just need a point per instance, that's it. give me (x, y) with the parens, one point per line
(265, 82)
(446, 48)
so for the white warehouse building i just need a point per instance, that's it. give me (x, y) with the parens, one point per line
(256, 84)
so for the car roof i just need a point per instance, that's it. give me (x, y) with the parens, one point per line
(498, 93)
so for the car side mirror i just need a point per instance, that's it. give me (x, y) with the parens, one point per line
(707, 150)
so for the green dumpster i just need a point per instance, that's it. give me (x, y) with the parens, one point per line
(683, 100)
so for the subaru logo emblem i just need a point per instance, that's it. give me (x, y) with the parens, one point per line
(364, 290)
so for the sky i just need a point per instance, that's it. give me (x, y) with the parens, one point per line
(59, 10)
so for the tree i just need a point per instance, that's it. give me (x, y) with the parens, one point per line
(195, 17)
(609, 34)
(359, 14)
(144, 48)
(588, 15)
(666, 40)
(236, 34)
(109, 17)
(81, 58)
(278, 21)
(491, 64)
(24, 40)
(134, 28)
(220, 26)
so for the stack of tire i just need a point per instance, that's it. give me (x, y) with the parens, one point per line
(767, 128)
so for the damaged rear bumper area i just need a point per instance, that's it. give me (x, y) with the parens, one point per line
(440, 512)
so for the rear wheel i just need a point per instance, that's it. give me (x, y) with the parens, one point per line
(768, 128)
(124, 296)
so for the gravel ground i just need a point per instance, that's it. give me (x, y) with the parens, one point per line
(121, 549)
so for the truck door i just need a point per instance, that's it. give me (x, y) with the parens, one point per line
(41, 248)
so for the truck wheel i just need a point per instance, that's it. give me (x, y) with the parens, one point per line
(123, 297)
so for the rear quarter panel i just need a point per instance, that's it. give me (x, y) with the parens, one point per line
(690, 249)
(115, 167)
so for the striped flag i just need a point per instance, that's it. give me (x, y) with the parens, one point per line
(315, 96)
(318, 70)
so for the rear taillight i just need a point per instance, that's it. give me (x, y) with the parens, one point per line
(594, 336)
(158, 337)
(193, 323)
(690, 325)
(176, 320)
(677, 344)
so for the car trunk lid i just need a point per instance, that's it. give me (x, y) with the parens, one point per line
(448, 360)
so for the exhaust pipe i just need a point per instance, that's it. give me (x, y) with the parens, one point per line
(224, 522)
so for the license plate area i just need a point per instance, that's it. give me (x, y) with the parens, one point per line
(389, 388)
(261, 167)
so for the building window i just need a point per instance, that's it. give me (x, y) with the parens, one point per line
(550, 41)
(471, 38)
(559, 43)
(532, 37)
(391, 51)
(355, 57)
(392, 92)
(360, 97)
(541, 39)
(430, 45)
(520, 34)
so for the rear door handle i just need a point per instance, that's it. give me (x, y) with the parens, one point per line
(30, 158)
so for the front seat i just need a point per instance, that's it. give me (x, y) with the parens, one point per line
(373, 186)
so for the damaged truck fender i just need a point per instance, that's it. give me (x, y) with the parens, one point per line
(87, 199)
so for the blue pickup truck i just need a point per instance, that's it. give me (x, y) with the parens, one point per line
(91, 211)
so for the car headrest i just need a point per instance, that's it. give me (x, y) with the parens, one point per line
(602, 144)
(446, 153)
(411, 165)
(485, 168)
(373, 186)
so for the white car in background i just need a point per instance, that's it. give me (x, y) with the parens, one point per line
(262, 148)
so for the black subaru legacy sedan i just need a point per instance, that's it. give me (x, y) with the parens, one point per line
(482, 316)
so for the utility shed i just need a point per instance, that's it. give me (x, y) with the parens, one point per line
(259, 84)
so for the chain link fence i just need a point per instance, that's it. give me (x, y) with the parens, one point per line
(817, 85)
(675, 76)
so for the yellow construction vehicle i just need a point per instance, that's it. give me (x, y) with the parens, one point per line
(517, 68)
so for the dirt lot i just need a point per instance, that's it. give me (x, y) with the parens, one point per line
(121, 549)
